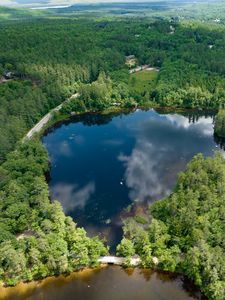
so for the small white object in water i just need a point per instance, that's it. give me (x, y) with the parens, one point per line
(121, 182)
(216, 146)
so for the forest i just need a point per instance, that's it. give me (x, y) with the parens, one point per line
(220, 124)
(45, 61)
(37, 239)
(186, 230)
(49, 60)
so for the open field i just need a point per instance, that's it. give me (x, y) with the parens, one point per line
(143, 81)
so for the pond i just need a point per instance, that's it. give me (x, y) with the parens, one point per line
(111, 283)
(101, 164)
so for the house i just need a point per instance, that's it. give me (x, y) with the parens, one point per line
(144, 67)
(172, 29)
(131, 60)
(8, 75)
(129, 57)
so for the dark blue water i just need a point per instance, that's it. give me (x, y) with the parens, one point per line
(102, 164)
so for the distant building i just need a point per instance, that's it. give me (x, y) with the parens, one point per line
(144, 68)
(172, 29)
(130, 57)
(131, 60)
(8, 75)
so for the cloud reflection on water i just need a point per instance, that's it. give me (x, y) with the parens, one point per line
(71, 196)
(99, 170)
(65, 149)
(161, 150)
(203, 125)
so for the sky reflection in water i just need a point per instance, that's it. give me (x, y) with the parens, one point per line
(101, 164)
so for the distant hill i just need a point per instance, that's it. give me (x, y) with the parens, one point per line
(7, 13)
(201, 10)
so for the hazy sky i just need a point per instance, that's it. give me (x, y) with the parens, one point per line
(33, 3)
(24, 3)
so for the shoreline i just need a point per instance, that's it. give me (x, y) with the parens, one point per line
(90, 271)
(51, 119)
(60, 118)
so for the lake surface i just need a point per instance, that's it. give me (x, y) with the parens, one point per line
(111, 283)
(102, 164)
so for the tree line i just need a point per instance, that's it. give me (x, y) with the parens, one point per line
(36, 238)
(186, 229)
(52, 59)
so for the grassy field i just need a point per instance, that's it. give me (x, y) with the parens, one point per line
(143, 81)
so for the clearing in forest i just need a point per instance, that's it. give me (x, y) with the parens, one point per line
(143, 81)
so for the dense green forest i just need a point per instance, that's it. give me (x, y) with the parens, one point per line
(186, 230)
(45, 61)
(36, 238)
(49, 60)
(220, 124)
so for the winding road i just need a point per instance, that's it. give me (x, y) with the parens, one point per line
(37, 128)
